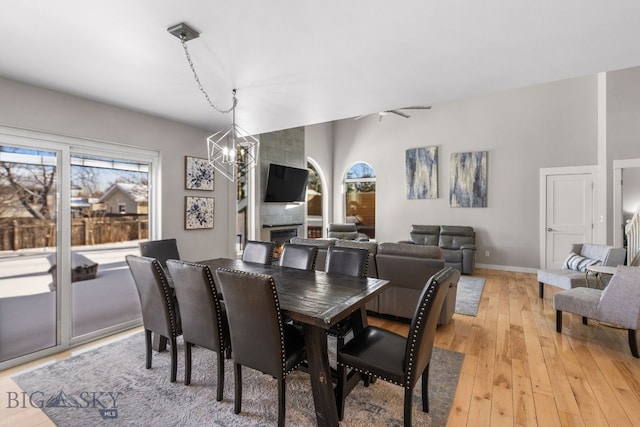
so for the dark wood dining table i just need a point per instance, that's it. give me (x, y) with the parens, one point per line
(317, 300)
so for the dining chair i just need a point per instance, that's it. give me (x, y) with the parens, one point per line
(379, 353)
(301, 257)
(257, 251)
(346, 261)
(260, 338)
(162, 250)
(159, 310)
(204, 321)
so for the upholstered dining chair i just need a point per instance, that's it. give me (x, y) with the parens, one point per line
(301, 257)
(260, 338)
(393, 358)
(159, 311)
(348, 262)
(257, 251)
(204, 320)
(162, 250)
(617, 304)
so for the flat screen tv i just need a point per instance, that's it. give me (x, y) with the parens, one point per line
(286, 184)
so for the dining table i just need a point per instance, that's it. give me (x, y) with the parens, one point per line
(318, 301)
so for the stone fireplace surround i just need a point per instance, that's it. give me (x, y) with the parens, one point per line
(284, 147)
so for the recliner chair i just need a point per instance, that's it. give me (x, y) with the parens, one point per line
(345, 231)
(457, 244)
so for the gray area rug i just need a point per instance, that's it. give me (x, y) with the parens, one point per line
(468, 295)
(110, 386)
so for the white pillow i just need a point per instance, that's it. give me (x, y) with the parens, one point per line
(579, 263)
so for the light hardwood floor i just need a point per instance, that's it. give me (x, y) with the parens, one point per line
(517, 370)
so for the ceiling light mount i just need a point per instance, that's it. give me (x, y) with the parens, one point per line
(183, 32)
(231, 152)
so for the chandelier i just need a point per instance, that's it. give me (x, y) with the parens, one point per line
(231, 152)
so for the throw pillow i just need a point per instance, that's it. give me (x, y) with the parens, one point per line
(579, 263)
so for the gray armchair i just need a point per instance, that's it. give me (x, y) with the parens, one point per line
(618, 303)
(566, 278)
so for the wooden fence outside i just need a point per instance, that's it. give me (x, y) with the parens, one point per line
(27, 233)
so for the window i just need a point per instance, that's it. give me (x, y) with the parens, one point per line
(315, 205)
(55, 196)
(360, 198)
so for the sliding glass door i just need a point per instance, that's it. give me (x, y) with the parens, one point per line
(109, 214)
(29, 179)
(70, 211)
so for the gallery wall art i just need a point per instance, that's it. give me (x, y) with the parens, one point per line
(199, 212)
(468, 180)
(421, 165)
(198, 174)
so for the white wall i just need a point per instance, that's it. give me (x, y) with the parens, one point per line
(319, 147)
(551, 125)
(30, 107)
(523, 130)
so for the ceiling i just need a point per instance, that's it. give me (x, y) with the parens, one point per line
(299, 62)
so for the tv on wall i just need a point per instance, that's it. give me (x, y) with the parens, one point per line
(286, 184)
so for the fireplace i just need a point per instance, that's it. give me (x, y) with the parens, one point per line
(281, 236)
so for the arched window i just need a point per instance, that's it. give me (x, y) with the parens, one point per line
(360, 198)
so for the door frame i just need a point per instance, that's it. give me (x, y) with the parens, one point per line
(570, 170)
(618, 165)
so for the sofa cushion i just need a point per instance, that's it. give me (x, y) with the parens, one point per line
(425, 234)
(579, 263)
(452, 255)
(454, 237)
(581, 301)
(565, 279)
(409, 250)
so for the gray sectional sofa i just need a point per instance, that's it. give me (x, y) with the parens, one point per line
(406, 266)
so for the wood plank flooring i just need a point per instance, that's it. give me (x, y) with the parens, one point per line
(517, 370)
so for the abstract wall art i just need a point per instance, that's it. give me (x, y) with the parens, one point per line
(421, 166)
(198, 174)
(468, 180)
(199, 212)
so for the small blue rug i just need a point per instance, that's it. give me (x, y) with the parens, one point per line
(469, 294)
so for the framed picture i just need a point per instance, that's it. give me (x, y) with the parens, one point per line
(421, 166)
(198, 174)
(199, 212)
(468, 180)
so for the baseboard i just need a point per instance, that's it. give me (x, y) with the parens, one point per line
(507, 268)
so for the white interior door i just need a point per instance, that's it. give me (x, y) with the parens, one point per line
(569, 200)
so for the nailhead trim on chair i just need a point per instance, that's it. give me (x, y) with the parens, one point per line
(280, 322)
(165, 289)
(409, 374)
(216, 299)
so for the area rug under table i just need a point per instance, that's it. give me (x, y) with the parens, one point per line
(110, 386)
(468, 295)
